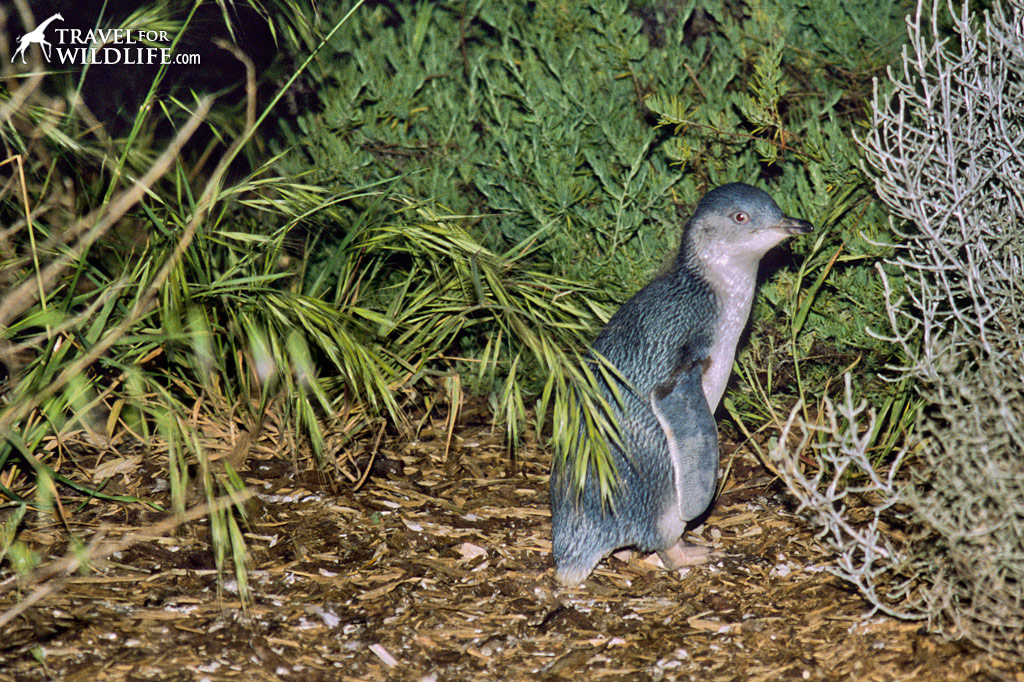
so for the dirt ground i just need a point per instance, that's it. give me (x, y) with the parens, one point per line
(441, 570)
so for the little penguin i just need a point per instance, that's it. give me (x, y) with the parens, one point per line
(673, 343)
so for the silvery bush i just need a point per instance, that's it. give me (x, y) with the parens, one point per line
(936, 531)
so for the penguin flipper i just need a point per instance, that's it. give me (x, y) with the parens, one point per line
(692, 435)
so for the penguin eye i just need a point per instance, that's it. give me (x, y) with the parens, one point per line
(740, 217)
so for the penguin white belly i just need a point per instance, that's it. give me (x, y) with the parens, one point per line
(734, 288)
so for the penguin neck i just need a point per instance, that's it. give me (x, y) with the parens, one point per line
(732, 280)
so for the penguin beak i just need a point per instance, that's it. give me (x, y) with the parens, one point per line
(794, 226)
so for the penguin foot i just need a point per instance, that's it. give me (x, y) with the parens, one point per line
(682, 554)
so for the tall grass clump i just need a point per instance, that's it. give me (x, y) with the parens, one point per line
(149, 312)
(942, 534)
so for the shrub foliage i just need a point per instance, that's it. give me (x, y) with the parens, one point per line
(574, 138)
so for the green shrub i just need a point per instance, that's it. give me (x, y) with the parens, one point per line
(578, 137)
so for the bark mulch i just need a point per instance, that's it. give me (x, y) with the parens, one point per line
(441, 570)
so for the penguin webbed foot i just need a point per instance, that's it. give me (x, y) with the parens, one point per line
(683, 554)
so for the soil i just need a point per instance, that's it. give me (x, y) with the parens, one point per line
(440, 569)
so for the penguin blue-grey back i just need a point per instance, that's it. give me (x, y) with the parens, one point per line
(673, 343)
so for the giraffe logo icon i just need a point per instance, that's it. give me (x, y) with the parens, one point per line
(35, 36)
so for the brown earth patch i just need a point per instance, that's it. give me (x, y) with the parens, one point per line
(442, 571)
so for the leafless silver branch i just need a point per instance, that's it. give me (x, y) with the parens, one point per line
(938, 531)
(852, 500)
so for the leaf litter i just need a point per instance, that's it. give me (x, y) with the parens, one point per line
(440, 570)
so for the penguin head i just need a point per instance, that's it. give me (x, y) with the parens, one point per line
(737, 223)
